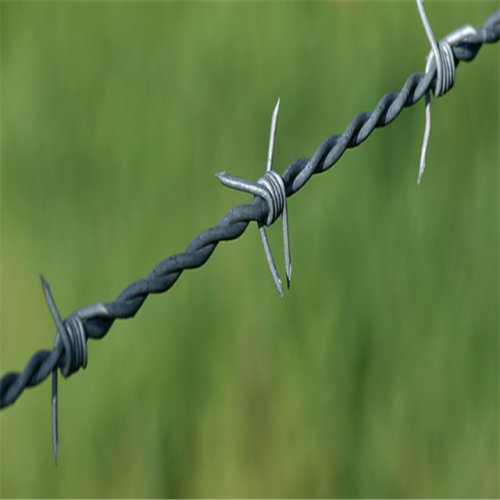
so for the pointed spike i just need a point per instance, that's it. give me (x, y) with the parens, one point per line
(61, 333)
(421, 169)
(286, 242)
(279, 286)
(432, 41)
(427, 133)
(274, 121)
(269, 257)
(55, 433)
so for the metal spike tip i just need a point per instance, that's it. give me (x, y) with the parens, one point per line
(288, 273)
(279, 286)
(55, 433)
(420, 173)
(272, 135)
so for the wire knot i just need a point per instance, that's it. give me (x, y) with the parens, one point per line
(75, 347)
(274, 196)
(445, 67)
(71, 332)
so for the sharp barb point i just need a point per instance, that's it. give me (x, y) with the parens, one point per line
(272, 135)
(420, 173)
(289, 276)
(279, 286)
(55, 432)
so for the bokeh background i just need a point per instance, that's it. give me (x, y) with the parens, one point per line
(377, 375)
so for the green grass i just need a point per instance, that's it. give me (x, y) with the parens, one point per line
(377, 375)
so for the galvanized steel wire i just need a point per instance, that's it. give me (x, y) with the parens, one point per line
(70, 354)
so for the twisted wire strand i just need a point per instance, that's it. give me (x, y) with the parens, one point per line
(235, 222)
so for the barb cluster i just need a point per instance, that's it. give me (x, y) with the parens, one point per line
(271, 189)
(441, 55)
(69, 352)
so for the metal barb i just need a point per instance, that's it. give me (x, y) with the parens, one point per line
(427, 133)
(72, 334)
(272, 135)
(55, 433)
(442, 56)
(61, 333)
(271, 188)
(439, 68)
(432, 40)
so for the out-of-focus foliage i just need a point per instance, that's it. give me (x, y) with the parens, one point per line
(377, 375)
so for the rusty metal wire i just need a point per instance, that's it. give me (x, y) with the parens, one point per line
(70, 352)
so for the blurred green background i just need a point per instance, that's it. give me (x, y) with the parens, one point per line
(377, 375)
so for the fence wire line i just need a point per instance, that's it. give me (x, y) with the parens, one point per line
(97, 319)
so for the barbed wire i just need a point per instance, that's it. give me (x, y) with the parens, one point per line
(70, 349)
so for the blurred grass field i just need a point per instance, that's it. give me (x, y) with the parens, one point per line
(376, 376)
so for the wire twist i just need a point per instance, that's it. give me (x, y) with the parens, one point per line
(96, 320)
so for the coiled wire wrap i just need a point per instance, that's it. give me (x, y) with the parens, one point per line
(275, 195)
(446, 79)
(76, 352)
(70, 333)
